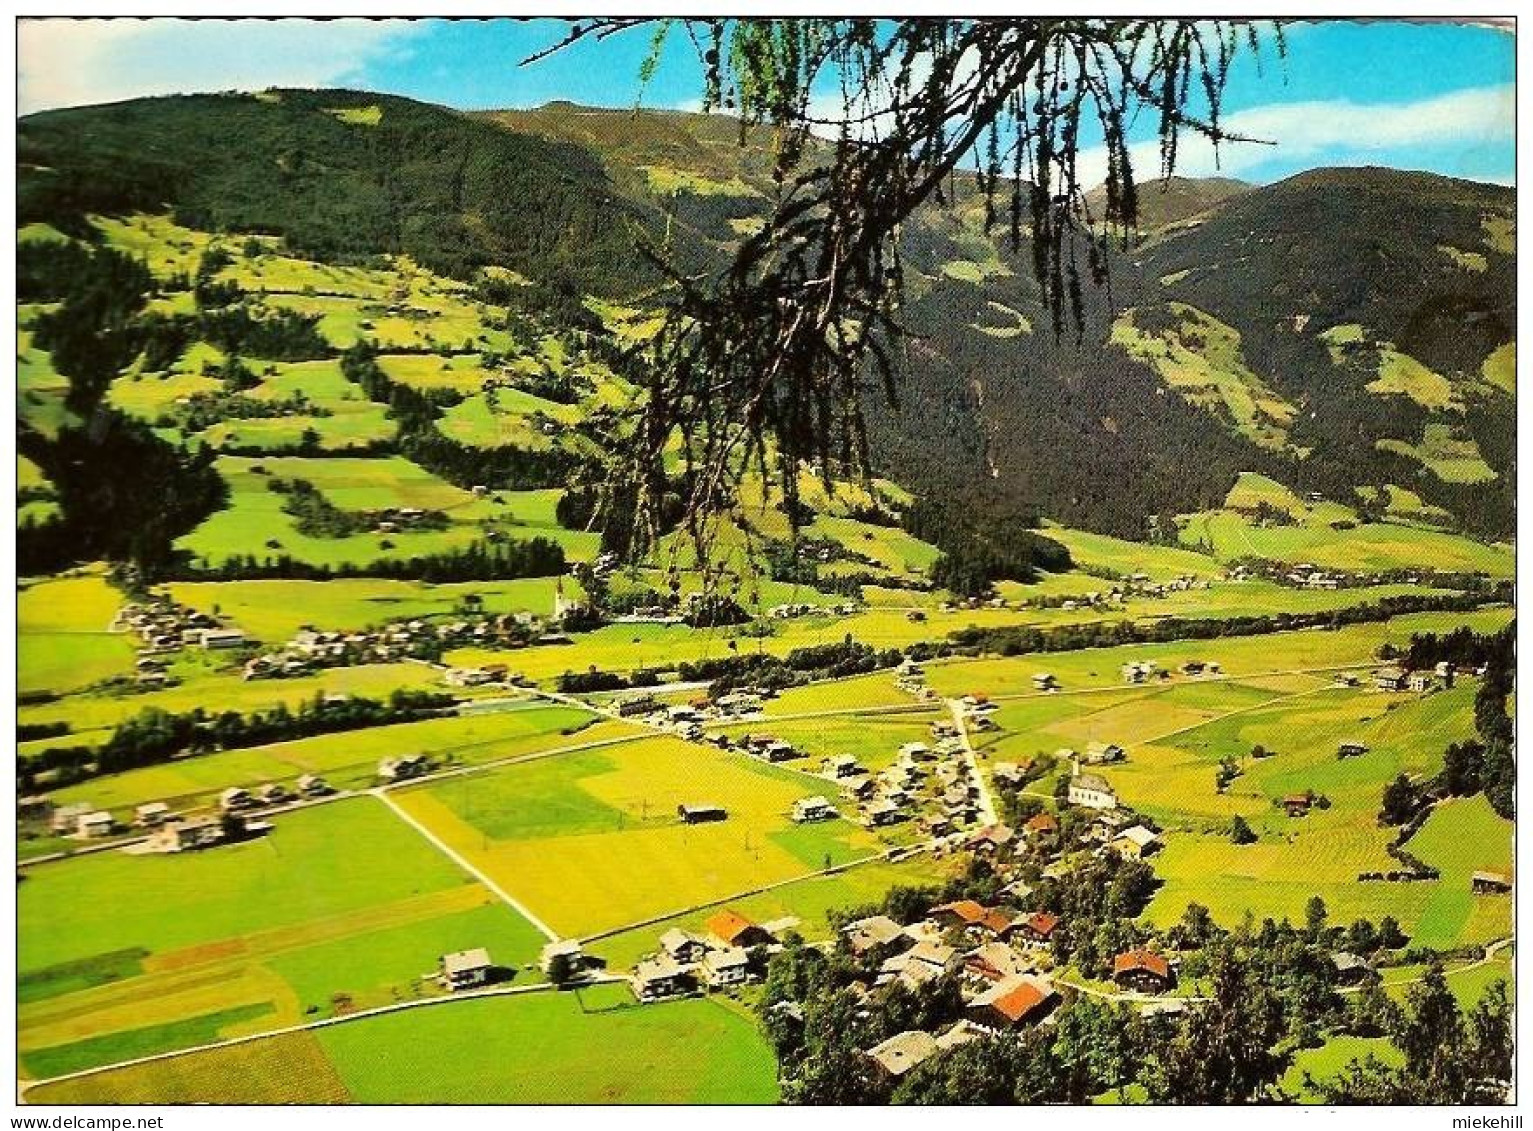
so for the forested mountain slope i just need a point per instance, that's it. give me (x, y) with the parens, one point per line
(1346, 332)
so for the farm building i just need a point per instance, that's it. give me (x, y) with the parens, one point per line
(403, 768)
(1490, 883)
(312, 785)
(842, 766)
(657, 978)
(466, 969)
(731, 929)
(1092, 792)
(66, 818)
(1297, 804)
(882, 812)
(916, 752)
(683, 946)
(565, 952)
(1142, 971)
(222, 638)
(1022, 999)
(151, 814)
(636, 705)
(814, 808)
(1045, 681)
(1104, 753)
(1352, 748)
(696, 814)
(234, 798)
(187, 835)
(727, 967)
(34, 807)
(1389, 679)
(95, 824)
(1350, 968)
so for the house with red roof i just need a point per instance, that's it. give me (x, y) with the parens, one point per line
(1143, 971)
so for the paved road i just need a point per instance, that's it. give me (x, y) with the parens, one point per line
(446, 850)
(987, 811)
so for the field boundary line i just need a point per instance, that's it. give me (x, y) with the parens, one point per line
(457, 858)
(23, 1087)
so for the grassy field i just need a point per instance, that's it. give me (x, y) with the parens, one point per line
(1366, 547)
(341, 906)
(346, 760)
(274, 611)
(1200, 358)
(594, 1047)
(229, 692)
(1461, 837)
(1323, 852)
(1447, 453)
(254, 519)
(62, 637)
(591, 841)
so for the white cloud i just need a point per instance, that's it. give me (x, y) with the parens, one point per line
(1471, 123)
(74, 62)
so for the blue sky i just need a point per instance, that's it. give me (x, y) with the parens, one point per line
(1413, 96)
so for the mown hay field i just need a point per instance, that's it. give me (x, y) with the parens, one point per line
(342, 906)
(591, 841)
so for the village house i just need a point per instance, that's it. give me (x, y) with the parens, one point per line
(727, 967)
(992, 962)
(918, 965)
(66, 818)
(1022, 999)
(1389, 679)
(987, 840)
(1142, 971)
(877, 814)
(656, 978)
(1351, 748)
(312, 785)
(1035, 927)
(859, 788)
(633, 706)
(466, 969)
(1041, 826)
(700, 814)
(273, 793)
(1091, 791)
(875, 931)
(815, 808)
(33, 807)
(683, 947)
(222, 638)
(842, 766)
(739, 703)
(959, 913)
(1045, 681)
(731, 929)
(1350, 968)
(1490, 883)
(187, 835)
(95, 824)
(892, 1058)
(1420, 681)
(1135, 843)
(235, 798)
(151, 814)
(566, 952)
(916, 752)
